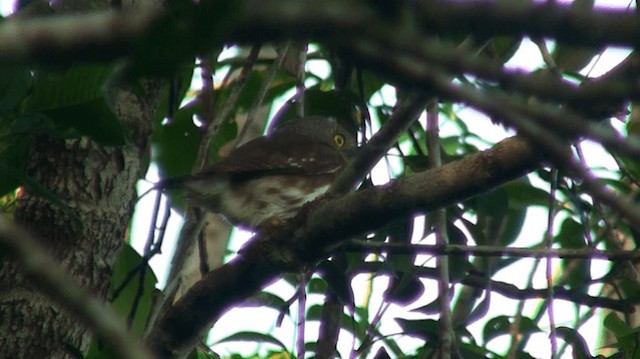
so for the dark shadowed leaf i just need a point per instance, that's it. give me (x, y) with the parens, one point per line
(426, 329)
(13, 158)
(248, 336)
(571, 236)
(75, 99)
(501, 325)
(129, 260)
(175, 144)
(342, 105)
(625, 335)
(576, 341)
(338, 281)
(15, 82)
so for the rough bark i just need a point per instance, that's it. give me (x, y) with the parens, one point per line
(97, 184)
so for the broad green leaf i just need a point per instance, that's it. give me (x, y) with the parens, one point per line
(338, 281)
(502, 48)
(75, 99)
(128, 261)
(501, 325)
(177, 88)
(265, 300)
(94, 119)
(571, 236)
(13, 158)
(175, 144)
(78, 84)
(280, 84)
(342, 105)
(522, 194)
(572, 58)
(248, 336)
(15, 82)
(626, 336)
(619, 328)
(426, 329)
(575, 340)
(494, 203)
(198, 353)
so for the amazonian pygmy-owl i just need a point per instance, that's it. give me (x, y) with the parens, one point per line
(272, 177)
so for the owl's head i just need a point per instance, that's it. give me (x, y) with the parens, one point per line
(324, 129)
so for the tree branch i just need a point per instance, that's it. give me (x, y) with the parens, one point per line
(327, 224)
(493, 251)
(509, 290)
(108, 35)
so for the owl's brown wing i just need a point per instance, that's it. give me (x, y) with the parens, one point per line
(278, 155)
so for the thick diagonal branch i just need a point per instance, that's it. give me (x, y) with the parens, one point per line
(325, 226)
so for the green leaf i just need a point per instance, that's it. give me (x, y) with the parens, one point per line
(198, 353)
(75, 99)
(181, 133)
(248, 336)
(501, 325)
(432, 307)
(76, 85)
(338, 281)
(180, 84)
(15, 82)
(317, 285)
(342, 105)
(626, 336)
(265, 299)
(575, 340)
(13, 158)
(458, 265)
(127, 261)
(280, 84)
(616, 326)
(494, 203)
(426, 329)
(502, 48)
(573, 58)
(94, 119)
(571, 236)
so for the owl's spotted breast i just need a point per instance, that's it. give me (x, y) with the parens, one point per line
(254, 201)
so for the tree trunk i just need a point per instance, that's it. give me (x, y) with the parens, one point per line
(97, 184)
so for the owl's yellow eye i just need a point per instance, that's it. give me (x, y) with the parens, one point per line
(338, 139)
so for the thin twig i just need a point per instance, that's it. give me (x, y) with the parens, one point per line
(439, 218)
(300, 76)
(625, 305)
(257, 102)
(221, 116)
(404, 114)
(301, 322)
(549, 262)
